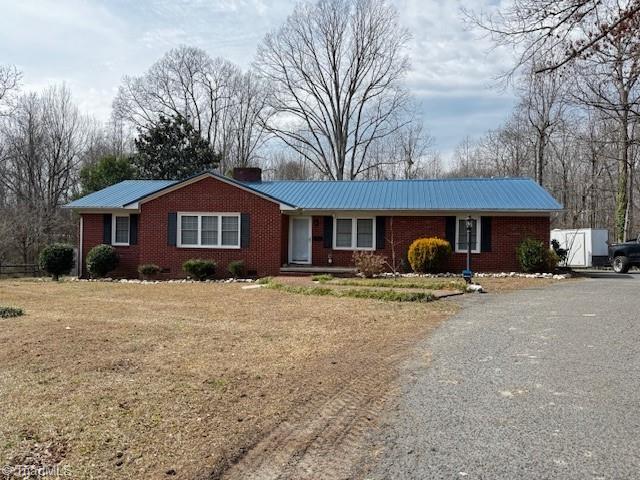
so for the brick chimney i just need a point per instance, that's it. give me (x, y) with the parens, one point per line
(247, 174)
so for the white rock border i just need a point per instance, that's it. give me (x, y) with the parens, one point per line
(382, 275)
(155, 282)
(478, 275)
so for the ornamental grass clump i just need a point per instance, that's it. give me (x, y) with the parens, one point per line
(237, 268)
(149, 271)
(10, 312)
(428, 255)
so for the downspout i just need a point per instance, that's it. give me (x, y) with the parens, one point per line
(80, 247)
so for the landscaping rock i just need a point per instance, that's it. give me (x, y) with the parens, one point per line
(477, 275)
(473, 288)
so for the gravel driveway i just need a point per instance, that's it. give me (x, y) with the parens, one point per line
(535, 384)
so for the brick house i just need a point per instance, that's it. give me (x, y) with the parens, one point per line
(279, 226)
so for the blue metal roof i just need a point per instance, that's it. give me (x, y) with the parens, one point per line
(460, 194)
(120, 194)
(455, 194)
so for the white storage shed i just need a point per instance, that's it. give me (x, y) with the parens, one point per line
(588, 247)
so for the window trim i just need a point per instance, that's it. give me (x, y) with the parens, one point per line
(354, 233)
(219, 246)
(478, 245)
(113, 230)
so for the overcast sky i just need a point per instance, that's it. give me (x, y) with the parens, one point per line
(90, 45)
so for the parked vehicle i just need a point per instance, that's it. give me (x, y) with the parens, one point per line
(623, 256)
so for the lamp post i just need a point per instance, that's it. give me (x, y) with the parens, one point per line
(468, 274)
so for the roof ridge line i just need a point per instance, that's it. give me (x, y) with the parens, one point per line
(347, 182)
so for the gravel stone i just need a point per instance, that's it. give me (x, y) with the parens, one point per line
(535, 384)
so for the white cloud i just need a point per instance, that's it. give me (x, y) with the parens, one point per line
(90, 45)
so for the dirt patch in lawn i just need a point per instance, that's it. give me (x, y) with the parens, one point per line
(109, 380)
(510, 284)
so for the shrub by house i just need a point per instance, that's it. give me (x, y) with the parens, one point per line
(534, 256)
(101, 260)
(427, 255)
(199, 269)
(237, 268)
(149, 271)
(369, 264)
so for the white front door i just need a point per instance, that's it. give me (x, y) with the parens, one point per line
(300, 240)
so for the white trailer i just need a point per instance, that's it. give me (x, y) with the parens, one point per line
(587, 247)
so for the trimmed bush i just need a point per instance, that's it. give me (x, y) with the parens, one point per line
(236, 268)
(101, 260)
(552, 260)
(56, 259)
(148, 270)
(369, 264)
(10, 312)
(199, 269)
(428, 255)
(534, 256)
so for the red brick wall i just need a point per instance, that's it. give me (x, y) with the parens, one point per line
(92, 228)
(210, 195)
(506, 234)
(268, 248)
(263, 256)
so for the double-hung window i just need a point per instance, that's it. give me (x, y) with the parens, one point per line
(209, 230)
(120, 230)
(461, 234)
(354, 233)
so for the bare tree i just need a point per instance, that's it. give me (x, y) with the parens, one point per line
(9, 81)
(407, 153)
(248, 113)
(43, 141)
(544, 102)
(413, 147)
(608, 81)
(562, 30)
(335, 68)
(286, 164)
(211, 94)
(592, 47)
(468, 161)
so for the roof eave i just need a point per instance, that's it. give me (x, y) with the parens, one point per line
(430, 211)
(106, 209)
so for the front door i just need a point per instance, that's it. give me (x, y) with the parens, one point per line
(300, 240)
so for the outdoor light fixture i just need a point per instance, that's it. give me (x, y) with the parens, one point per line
(468, 273)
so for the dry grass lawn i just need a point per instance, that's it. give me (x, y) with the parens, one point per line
(178, 380)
